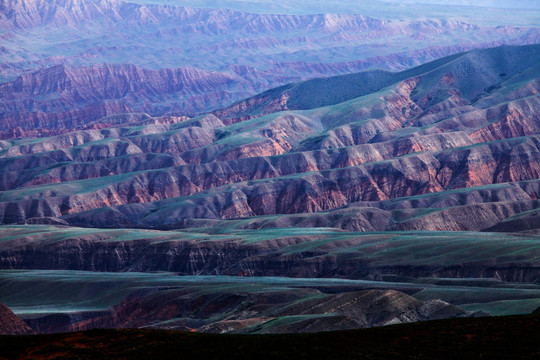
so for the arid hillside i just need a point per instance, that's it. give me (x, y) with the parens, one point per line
(422, 149)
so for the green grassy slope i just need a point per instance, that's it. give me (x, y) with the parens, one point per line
(485, 64)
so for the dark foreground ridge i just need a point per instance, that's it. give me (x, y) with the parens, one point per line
(508, 337)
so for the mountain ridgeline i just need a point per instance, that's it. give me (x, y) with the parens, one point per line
(450, 145)
(104, 57)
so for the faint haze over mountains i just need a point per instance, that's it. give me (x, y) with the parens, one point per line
(189, 56)
(311, 5)
(533, 4)
(486, 11)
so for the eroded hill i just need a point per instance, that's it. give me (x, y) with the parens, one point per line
(450, 145)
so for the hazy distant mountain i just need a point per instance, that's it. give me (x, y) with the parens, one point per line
(519, 4)
(237, 53)
(382, 7)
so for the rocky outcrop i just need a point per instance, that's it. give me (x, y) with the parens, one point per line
(11, 324)
(274, 252)
(365, 309)
(281, 193)
(64, 97)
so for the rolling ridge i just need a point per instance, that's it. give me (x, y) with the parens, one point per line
(427, 130)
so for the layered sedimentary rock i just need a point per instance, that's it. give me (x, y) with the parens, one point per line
(64, 98)
(74, 301)
(417, 156)
(257, 313)
(423, 149)
(299, 253)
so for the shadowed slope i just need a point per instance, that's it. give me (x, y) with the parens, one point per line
(67, 300)
(296, 252)
(488, 68)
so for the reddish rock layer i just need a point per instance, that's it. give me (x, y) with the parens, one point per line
(11, 324)
(424, 131)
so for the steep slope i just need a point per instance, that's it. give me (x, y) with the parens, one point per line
(384, 197)
(11, 324)
(263, 313)
(293, 252)
(269, 311)
(76, 300)
(456, 154)
(489, 68)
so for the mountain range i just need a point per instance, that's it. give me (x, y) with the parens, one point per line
(199, 167)
(63, 60)
(419, 184)
(423, 149)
